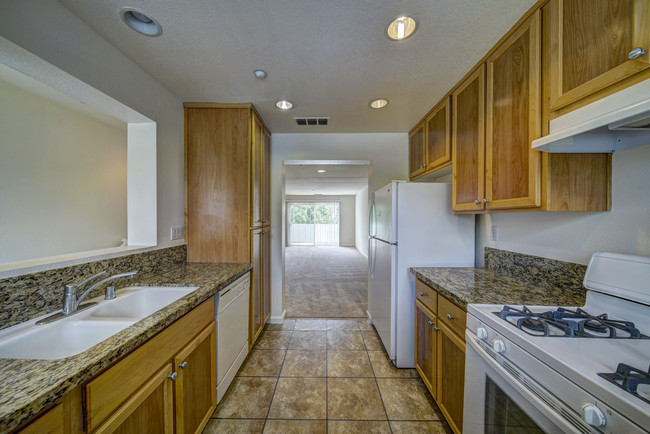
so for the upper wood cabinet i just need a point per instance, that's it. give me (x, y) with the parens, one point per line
(417, 164)
(513, 118)
(591, 43)
(430, 141)
(438, 136)
(468, 143)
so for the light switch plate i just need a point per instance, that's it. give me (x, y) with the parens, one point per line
(495, 234)
(177, 232)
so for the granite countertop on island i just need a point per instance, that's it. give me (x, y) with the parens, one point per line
(509, 278)
(30, 386)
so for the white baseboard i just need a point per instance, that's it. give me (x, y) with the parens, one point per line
(279, 319)
(364, 254)
(369, 316)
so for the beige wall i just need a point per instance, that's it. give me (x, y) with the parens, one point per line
(62, 179)
(50, 31)
(575, 236)
(361, 221)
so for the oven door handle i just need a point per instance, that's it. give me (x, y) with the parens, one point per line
(530, 389)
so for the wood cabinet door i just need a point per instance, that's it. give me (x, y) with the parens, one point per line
(590, 43)
(195, 388)
(266, 274)
(451, 376)
(468, 143)
(149, 410)
(50, 422)
(256, 288)
(257, 152)
(217, 164)
(513, 120)
(438, 137)
(266, 180)
(425, 346)
(417, 158)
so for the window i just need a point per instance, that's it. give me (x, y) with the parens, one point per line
(314, 224)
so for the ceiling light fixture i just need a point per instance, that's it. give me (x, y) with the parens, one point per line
(283, 105)
(140, 22)
(378, 103)
(402, 27)
(261, 74)
(322, 171)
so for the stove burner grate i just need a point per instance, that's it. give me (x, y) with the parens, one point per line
(564, 322)
(628, 378)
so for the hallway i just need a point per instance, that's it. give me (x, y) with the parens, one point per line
(325, 281)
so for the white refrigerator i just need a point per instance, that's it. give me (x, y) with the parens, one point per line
(410, 225)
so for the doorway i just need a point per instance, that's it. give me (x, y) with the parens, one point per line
(325, 239)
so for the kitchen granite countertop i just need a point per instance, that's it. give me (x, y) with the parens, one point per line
(30, 386)
(487, 286)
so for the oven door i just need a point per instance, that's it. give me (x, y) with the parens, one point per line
(497, 399)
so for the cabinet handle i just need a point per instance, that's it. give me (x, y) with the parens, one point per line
(264, 221)
(486, 201)
(173, 376)
(635, 53)
(183, 365)
(477, 202)
(422, 294)
(436, 328)
(423, 166)
(450, 316)
(431, 322)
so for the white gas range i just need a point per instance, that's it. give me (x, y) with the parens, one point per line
(549, 369)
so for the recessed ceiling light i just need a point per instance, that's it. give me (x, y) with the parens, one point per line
(322, 171)
(140, 22)
(378, 103)
(261, 74)
(401, 27)
(283, 105)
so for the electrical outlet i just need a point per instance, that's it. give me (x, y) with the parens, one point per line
(495, 234)
(177, 232)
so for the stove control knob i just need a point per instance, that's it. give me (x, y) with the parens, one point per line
(499, 346)
(593, 415)
(482, 333)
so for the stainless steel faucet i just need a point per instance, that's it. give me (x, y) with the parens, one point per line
(71, 302)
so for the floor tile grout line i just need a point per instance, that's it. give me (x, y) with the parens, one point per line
(381, 397)
(268, 410)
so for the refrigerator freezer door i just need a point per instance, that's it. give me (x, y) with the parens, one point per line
(383, 214)
(381, 296)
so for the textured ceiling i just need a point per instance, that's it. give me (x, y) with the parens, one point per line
(337, 180)
(330, 58)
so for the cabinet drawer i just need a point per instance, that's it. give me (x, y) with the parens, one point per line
(427, 295)
(453, 316)
(50, 422)
(106, 392)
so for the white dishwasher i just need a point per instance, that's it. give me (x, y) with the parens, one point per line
(231, 323)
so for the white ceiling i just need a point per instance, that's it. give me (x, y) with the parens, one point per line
(337, 180)
(330, 58)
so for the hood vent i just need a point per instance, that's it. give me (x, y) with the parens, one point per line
(312, 121)
(616, 122)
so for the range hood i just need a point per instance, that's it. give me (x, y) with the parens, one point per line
(616, 122)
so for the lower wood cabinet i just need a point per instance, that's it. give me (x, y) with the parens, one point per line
(260, 302)
(166, 385)
(50, 422)
(440, 352)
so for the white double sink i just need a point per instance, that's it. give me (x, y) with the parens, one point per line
(72, 335)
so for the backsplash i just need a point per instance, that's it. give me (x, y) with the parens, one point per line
(31, 295)
(536, 269)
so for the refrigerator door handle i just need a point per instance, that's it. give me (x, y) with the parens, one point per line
(371, 220)
(372, 248)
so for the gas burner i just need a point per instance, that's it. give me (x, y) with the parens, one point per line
(564, 322)
(628, 378)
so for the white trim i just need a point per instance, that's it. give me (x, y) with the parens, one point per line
(277, 319)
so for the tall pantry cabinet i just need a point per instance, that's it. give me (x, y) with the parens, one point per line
(227, 191)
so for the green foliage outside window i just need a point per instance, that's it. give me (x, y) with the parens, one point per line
(319, 213)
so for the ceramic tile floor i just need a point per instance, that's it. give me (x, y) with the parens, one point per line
(324, 376)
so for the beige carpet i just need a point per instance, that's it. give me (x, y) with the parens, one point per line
(324, 282)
